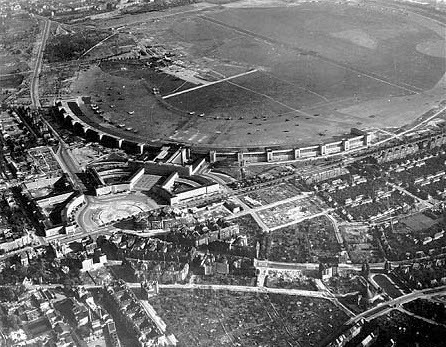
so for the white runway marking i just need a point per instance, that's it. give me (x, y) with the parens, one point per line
(193, 137)
(209, 84)
(202, 138)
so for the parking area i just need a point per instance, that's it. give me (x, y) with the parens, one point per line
(389, 287)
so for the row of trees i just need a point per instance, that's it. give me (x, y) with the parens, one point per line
(158, 5)
(71, 46)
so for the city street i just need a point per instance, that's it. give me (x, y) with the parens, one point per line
(34, 88)
(392, 304)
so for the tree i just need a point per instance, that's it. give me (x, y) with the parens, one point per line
(12, 322)
(7, 294)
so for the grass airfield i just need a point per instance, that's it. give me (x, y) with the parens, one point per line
(319, 70)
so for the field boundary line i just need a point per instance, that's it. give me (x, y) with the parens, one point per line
(411, 128)
(371, 75)
(209, 84)
(299, 87)
(17, 73)
(147, 18)
(292, 109)
(98, 44)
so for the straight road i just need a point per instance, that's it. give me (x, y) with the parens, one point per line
(336, 229)
(427, 320)
(299, 220)
(390, 305)
(64, 155)
(34, 87)
(425, 204)
(65, 159)
(310, 293)
(78, 236)
(299, 292)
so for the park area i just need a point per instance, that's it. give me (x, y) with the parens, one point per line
(320, 70)
(221, 318)
(303, 242)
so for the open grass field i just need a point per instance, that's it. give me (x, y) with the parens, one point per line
(17, 38)
(117, 96)
(306, 72)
